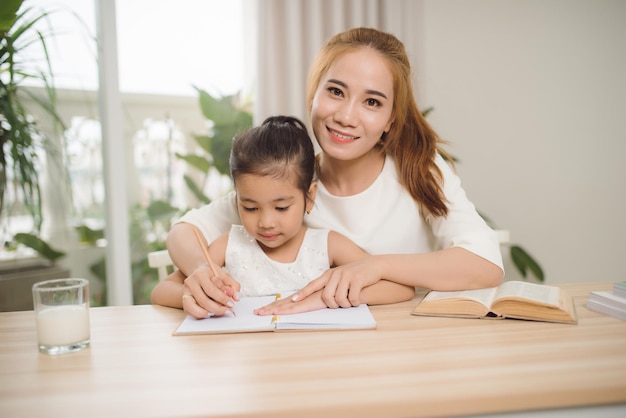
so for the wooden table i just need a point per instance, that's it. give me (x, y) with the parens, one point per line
(410, 366)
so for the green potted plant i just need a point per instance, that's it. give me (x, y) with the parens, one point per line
(21, 139)
(22, 143)
(227, 116)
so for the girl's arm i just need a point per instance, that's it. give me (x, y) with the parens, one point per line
(169, 291)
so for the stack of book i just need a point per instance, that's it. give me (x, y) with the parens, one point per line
(609, 303)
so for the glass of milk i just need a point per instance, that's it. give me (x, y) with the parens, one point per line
(62, 314)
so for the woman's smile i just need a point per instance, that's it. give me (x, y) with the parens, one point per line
(341, 137)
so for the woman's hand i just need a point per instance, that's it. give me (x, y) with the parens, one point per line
(342, 286)
(207, 295)
(285, 306)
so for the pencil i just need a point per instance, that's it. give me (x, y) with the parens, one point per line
(206, 256)
(206, 253)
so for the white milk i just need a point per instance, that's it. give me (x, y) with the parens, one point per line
(63, 325)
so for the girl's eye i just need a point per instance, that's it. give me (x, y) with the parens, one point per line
(372, 102)
(335, 91)
(282, 208)
(248, 209)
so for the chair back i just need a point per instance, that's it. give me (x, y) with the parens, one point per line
(161, 261)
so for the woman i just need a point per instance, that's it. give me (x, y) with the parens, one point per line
(382, 183)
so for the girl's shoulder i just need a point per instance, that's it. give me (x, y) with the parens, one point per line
(337, 239)
(316, 237)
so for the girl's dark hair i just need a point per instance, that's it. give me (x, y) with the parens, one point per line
(280, 148)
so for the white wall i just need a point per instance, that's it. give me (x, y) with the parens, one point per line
(531, 95)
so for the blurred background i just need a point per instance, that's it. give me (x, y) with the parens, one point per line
(529, 94)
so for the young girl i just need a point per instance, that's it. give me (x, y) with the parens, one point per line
(381, 182)
(271, 252)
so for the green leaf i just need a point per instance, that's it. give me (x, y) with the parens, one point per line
(8, 13)
(204, 141)
(88, 235)
(197, 161)
(243, 119)
(39, 245)
(221, 111)
(524, 262)
(99, 269)
(196, 190)
(222, 144)
(160, 210)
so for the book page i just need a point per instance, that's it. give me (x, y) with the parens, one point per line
(245, 321)
(482, 296)
(357, 317)
(547, 295)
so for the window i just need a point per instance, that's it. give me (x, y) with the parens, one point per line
(164, 46)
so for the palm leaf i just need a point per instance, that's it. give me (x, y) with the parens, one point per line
(159, 210)
(89, 236)
(523, 261)
(197, 161)
(39, 245)
(193, 187)
(8, 13)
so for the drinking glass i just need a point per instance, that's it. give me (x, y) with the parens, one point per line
(62, 315)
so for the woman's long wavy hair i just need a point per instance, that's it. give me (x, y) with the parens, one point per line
(411, 142)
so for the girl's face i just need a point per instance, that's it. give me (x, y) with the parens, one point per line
(352, 106)
(271, 210)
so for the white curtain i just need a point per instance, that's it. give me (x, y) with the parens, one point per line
(288, 34)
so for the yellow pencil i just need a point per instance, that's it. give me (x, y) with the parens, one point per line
(206, 253)
(206, 256)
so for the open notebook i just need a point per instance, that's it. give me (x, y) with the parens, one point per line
(358, 317)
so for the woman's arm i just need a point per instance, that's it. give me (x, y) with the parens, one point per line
(202, 293)
(173, 293)
(450, 269)
(343, 251)
(212, 220)
(183, 248)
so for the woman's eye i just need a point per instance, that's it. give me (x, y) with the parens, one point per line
(373, 102)
(335, 91)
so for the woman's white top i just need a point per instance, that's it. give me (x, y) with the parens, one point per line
(259, 275)
(383, 219)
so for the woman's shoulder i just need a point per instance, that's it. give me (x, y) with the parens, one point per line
(225, 203)
(215, 218)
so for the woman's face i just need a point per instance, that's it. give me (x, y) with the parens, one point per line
(352, 105)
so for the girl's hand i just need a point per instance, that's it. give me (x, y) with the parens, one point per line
(341, 286)
(286, 306)
(207, 295)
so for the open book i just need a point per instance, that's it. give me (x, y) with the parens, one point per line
(513, 299)
(358, 317)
